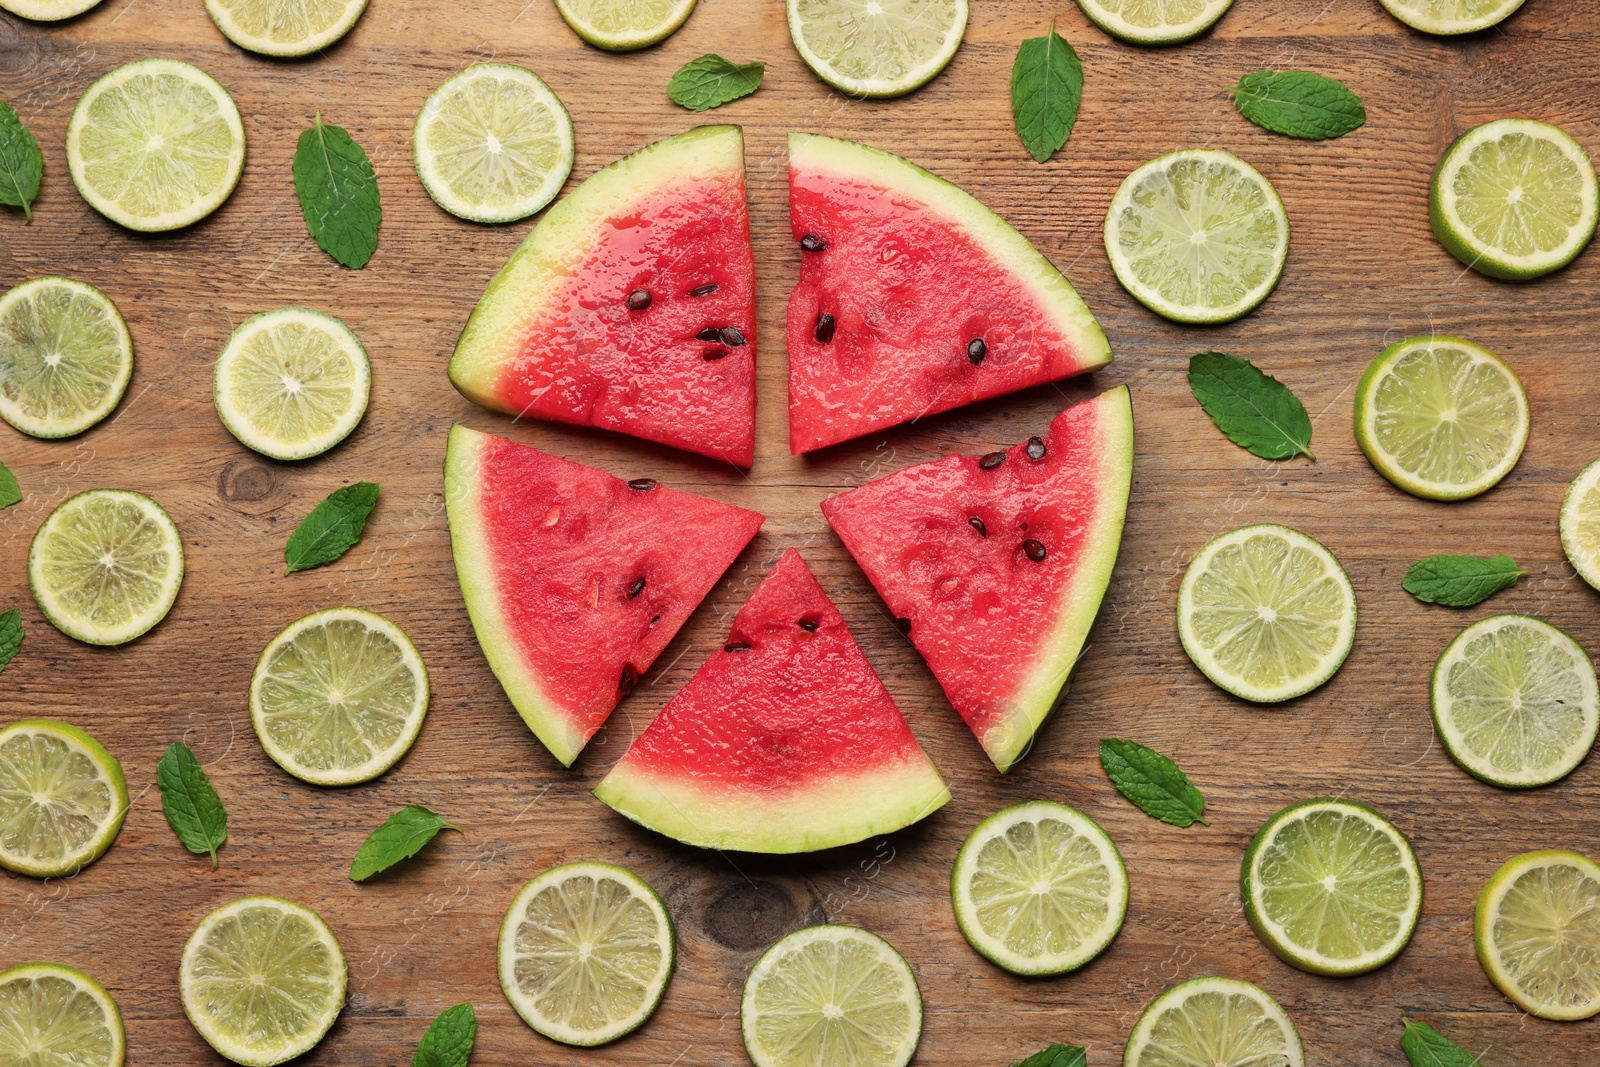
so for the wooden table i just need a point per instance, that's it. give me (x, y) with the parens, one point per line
(1364, 271)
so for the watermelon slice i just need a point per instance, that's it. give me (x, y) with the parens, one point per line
(785, 741)
(999, 563)
(631, 305)
(576, 580)
(913, 298)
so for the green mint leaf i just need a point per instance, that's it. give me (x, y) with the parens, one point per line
(21, 164)
(1057, 1055)
(1255, 410)
(1046, 89)
(338, 193)
(711, 81)
(1460, 581)
(193, 808)
(448, 1042)
(332, 529)
(401, 836)
(10, 636)
(1426, 1047)
(1155, 785)
(1297, 103)
(10, 491)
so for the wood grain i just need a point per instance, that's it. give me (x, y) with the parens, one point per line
(1363, 271)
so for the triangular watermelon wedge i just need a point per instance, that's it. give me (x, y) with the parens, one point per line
(913, 298)
(999, 562)
(785, 741)
(631, 305)
(576, 580)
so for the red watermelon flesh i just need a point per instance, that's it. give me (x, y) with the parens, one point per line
(575, 579)
(913, 298)
(785, 741)
(1000, 562)
(631, 305)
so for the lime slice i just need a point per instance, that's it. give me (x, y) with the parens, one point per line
(1197, 236)
(155, 145)
(1332, 887)
(339, 696)
(292, 383)
(1580, 524)
(1451, 17)
(106, 566)
(1266, 613)
(284, 27)
(1155, 21)
(1440, 417)
(1039, 888)
(262, 980)
(1214, 1022)
(831, 996)
(1538, 933)
(493, 143)
(624, 25)
(1515, 702)
(1514, 199)
(52, 1015)
(586, 951)
(877, 48)
(65, 357)
(62, 800)
(47, 10)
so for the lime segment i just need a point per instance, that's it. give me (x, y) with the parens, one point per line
(586, 951)
(624, 25)
(1214, 1022)
(65, 357)
(62, 799)
(52, 1015)
(284, 27)
(1537, 929)
(1451, 17)
(1580, 524)
(877, 48)
(47, 10)
(1155, 22)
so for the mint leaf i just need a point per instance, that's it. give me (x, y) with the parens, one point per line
(401, 836)
(1056, 1055)
(711, 81)
(1255, 410)
(1426, 1047)
(332, 529)
(192, 806)
(10, 491)
(1046, 90)
(10, 636)
(1460, 581)
(21, 164)
(448, 1042)
(1298, 103)
(338, 193)
(1155, 785)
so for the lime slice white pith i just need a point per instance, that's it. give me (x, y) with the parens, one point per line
(292, 383)
(1514, 199)
(831, 996)
(1440, 417)
(47, 10)
(262, 980)
(586, 950)
(106, 566)
(624, 25)
(1214, 1022)
(877, 48)
(284, 27)
(1580, 524)
(1197, 236)
(1155, 21)
(1266, 612)
(1515, 701)
(155, 145)
(1332, 887)
(62, 799)
(1451, 17)
(53, 1016)
(1039, 888)
(493, 143)
(1537, 929)
(65, 357)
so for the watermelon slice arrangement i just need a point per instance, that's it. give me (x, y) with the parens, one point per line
(630, 307)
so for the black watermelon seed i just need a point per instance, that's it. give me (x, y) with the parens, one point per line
(710, 333)
(812, 243)
(824, 328)
(1036, 449)
(1035, 550)
(904, 624)
(977, 524)
(642, 484)
(704, 290)
(807, 625)
(991, 460)
(735, 646)
(639, 299)
(731, 336)
(629, 679)
(711, 355)
(653, 620)
(977, 348)
(636, 588)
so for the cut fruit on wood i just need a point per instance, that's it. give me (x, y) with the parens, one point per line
(52, 1015)
(65, 357)
(624, 25)
(1214, 1022)
(877, 48)
(785, 741)
(576, 580)
(1537, 928)
(1451, 17)
(62, 800)
(1155, 22)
